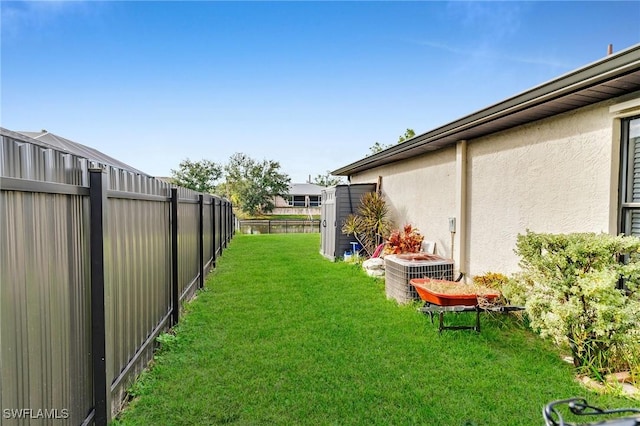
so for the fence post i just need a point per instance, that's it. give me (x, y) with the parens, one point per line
(101, 391)
(175, 294)
(213, 231)
(221, 220)
(201, 238)
(225, 224)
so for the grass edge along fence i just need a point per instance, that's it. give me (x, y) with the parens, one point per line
(95, 262)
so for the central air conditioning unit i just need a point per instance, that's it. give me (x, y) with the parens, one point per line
(402, 268)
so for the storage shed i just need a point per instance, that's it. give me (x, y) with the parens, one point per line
(338, 202)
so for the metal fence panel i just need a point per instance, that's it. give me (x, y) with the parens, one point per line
(218, 226)
(188, 243)
(207, 243)
(137, 269)
(44, 285)
(45, 278)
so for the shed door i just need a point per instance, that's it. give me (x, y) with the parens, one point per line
(329, 224)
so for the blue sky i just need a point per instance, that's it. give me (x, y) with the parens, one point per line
(312, 85)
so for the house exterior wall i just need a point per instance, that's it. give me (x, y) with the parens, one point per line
(282, 207)
(420, 191)
(314, 211)
(280, 202)
(549, 176)
(555, 175)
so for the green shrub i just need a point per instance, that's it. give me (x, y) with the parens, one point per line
(581, 290)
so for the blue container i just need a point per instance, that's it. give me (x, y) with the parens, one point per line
(347, 255)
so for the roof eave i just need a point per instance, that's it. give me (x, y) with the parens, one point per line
(606, 69)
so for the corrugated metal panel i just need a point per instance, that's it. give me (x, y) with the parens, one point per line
(23, 160)
(66, 145)
(137, 266)
(45, 326)
(217, 211)
(44, 296)
(188, 243)
(208, 228)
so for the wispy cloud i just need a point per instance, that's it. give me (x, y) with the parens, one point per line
(19, 16)
(481, 51)
(493, 19)
(485, 31)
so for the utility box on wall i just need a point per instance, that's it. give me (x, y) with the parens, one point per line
(338, 202)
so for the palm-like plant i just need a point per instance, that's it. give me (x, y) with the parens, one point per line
(371, 224)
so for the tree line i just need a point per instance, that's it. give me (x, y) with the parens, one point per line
(251, 185)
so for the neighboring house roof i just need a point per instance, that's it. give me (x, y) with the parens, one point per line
(613, 76)
(305, 189)
(71, 147)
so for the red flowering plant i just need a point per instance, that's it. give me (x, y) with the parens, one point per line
(408, 240)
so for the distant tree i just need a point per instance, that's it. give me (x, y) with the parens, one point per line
(252, 185)
(377, 147)
(327, 180)
(408, 134)
(200, 175)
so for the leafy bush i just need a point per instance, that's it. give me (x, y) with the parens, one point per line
(371, 225)
(408, 240)
(571, 288)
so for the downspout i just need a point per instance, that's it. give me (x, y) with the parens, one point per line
(460, 237)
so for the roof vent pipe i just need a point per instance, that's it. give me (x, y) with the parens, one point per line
(610, 49)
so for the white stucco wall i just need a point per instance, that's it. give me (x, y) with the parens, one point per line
(550, 176)
(555, 175)
(420, 191)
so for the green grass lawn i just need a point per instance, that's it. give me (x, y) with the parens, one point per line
(281, 335)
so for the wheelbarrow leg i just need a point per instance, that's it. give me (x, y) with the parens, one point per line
(428, 305)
